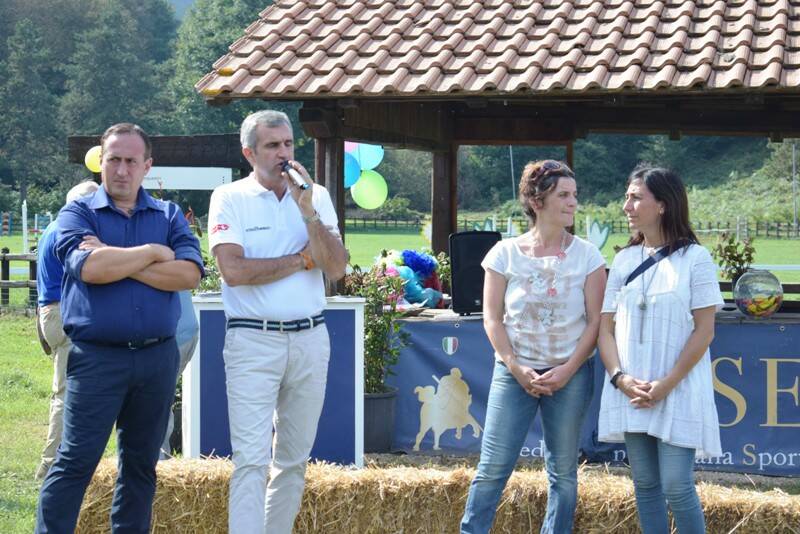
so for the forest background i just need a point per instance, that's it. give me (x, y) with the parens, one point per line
(74, 67)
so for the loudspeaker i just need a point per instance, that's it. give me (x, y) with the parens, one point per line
(467, 250)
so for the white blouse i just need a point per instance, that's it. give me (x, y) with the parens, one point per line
(649, 343)
(544, 328)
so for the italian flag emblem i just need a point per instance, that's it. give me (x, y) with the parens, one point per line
(450, 345)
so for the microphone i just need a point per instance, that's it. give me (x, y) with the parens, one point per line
(297, 178)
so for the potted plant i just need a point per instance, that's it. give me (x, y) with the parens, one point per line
(733, 256)
(383, 341)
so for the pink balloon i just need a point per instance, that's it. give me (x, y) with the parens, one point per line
(350, 146)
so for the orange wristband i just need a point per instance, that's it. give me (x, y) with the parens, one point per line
(309, 261)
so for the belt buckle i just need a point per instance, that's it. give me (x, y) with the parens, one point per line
(310, 322)
(280, 327)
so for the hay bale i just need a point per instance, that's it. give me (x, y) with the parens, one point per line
(192, 496)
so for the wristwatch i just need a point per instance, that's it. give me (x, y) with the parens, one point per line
(614, 379)
(311, 219)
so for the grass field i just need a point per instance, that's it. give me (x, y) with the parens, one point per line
(25, 377)
(364, 245)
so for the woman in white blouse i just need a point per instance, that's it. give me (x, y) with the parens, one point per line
(541, 311)
(657, 323)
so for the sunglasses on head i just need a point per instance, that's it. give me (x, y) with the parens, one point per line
(546, 167)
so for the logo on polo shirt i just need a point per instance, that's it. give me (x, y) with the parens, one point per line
(257, 228)
(219, 228)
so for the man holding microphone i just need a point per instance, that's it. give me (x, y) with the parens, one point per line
(273, 239)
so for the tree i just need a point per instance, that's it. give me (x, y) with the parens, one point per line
(210, 26)
(31, 144)
(110, 78)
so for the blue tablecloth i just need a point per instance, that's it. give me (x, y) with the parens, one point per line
(756, 378)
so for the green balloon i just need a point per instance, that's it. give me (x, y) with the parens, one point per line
(370, 191)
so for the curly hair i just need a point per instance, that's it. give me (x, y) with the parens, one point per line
(539, 179)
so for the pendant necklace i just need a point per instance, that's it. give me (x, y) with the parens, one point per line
(546, 311)
(642, 300)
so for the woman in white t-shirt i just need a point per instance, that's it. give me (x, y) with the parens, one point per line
(654, 336)
(541, 311)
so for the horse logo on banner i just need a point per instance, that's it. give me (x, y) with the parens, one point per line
(446, 407)
(449, 345)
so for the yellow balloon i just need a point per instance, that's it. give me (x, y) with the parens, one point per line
(92, 158)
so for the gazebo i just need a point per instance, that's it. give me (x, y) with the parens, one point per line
(435, 74)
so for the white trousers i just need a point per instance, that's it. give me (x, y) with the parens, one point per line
(273, 379)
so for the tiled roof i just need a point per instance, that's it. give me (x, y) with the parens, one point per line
(451, 48)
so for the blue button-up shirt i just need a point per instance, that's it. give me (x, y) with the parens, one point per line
(126, 310)
(48, 269)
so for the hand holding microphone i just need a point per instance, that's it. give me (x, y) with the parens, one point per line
(296, 177)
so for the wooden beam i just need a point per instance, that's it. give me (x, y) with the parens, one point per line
(218, 150)
(407, 124)
(329, 171)
(505, 130)
(444, 199)
(571, 155)
(329, 162)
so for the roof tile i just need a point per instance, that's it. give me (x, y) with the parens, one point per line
(373, 47)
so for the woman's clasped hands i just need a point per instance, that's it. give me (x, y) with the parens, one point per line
(643, 393)
(537, 384)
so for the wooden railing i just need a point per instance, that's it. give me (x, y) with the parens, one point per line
(5, 277)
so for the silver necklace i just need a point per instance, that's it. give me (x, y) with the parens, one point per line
(547, 309)
(642, 301)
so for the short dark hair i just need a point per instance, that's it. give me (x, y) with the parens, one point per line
(127, 128)
(538, 179)
(667, 187)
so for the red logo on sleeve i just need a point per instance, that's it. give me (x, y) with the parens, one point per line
(219, 228)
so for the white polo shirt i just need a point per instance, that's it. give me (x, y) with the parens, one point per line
(246, 213)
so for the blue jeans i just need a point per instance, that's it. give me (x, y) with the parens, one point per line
(108, 385)
(509, 413)
(661, 473)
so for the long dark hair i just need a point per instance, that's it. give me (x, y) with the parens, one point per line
(667, 187)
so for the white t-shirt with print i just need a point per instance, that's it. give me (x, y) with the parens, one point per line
(247, 214)
(528, 279)
(650, 341)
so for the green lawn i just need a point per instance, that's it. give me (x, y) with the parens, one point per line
(25, 375)
(365, 244)
(25, 378)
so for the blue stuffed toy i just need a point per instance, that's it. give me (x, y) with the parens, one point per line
(414, 291)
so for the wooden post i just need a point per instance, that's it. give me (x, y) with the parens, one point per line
(32, 292)
(5, 272)
(571, 155)
(329, 172)
(444, 200)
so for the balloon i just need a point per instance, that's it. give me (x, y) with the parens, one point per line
(352, 170)
(368, 156)
(370, 191)
(350, 146)
(92, 158)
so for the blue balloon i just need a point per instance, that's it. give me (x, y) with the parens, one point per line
(352, 170)
(368, 156)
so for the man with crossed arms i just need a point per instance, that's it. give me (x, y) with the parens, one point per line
(125, 256)
(273, 241)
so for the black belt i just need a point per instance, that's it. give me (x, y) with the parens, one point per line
(133, 345)
(277, 326)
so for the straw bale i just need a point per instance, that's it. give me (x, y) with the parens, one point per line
(192, 496)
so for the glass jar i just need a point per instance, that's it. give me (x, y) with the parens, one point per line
(758, 293)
